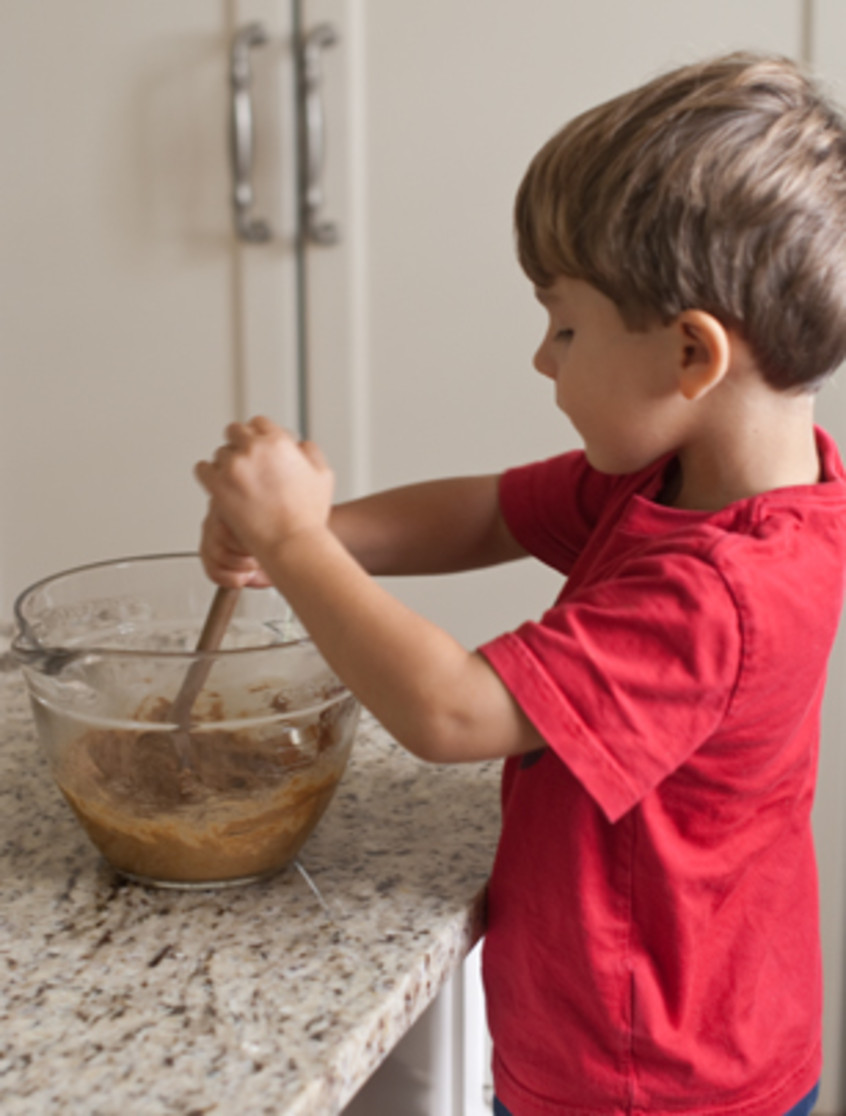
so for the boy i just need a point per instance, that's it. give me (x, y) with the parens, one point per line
(652, 941)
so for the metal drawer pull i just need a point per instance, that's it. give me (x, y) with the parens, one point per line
(313, 136)
(248, 228)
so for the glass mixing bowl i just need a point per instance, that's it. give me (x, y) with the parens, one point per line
(229, 797)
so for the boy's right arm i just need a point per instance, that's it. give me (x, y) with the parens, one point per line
(441, 526)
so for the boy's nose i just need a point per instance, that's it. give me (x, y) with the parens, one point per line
(542, 364)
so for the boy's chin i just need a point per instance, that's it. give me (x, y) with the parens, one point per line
(618, 465)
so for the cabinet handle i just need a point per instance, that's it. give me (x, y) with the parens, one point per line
(313, 136)
(252, 229)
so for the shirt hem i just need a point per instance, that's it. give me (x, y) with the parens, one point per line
(522, 1102)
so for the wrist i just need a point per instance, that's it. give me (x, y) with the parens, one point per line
(282, 557)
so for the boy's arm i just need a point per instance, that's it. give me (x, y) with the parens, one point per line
(440, 701)
(436, 527)
(441, 526)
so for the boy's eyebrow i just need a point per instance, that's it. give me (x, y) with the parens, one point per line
(545, 296)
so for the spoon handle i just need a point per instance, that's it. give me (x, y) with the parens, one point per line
(219, 614)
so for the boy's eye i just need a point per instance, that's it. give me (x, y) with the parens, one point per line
(564, 335)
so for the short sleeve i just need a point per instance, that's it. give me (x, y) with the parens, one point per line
(625, 679)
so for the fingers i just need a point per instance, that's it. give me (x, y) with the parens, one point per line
(219, 546)
(222, 544)
(205, 473)
(239, 434)
(314, 454)
(239, 438)
(265, 485)
(223, 558)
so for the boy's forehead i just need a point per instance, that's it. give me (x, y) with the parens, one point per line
(569, 296)
(565, 290)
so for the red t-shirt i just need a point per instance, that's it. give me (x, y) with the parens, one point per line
(653, 938)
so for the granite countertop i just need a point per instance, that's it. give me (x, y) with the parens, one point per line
(260, 999)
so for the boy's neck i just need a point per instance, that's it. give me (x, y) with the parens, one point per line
(752, 439)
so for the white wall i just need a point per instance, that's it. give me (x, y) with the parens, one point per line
(826, 38)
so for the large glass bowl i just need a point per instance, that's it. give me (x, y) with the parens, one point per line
(227, 797)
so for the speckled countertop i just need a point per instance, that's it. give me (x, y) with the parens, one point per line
(119, 999)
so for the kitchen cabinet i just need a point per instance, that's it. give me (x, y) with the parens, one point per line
(126, 343)
(135, 323)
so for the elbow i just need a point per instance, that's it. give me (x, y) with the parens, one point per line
(435, 739)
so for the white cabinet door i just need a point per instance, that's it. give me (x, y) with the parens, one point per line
(125, 341)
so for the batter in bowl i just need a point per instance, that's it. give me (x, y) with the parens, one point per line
(242, 809)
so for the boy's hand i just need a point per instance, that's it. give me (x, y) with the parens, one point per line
(265, 488)
(224, 559)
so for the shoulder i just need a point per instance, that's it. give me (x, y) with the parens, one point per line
(553, 506)
(786, 572)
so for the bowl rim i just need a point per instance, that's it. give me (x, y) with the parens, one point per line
(27, 647)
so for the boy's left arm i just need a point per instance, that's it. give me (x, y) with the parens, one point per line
(442, 702)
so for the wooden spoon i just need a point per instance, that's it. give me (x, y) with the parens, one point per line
(219, 614)
(214, 629)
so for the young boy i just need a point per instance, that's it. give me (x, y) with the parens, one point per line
(652, 943)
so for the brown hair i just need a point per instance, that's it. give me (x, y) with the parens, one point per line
(720, 186)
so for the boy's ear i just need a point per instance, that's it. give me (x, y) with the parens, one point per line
(704, 354)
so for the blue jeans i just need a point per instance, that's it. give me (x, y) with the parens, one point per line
(801, 1109)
